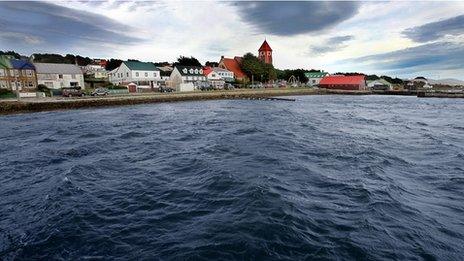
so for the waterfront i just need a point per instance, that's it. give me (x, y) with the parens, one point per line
(325, 177)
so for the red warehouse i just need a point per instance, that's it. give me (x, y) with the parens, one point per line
(341, 82)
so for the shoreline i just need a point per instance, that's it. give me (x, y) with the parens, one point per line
(29, 105)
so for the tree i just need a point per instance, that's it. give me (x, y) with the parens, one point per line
(113, 64)
(187, 61)
(12, 53)
(298, 73)
(212, 64)
(372, 77)
(255, 68)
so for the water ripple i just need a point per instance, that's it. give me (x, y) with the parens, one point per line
(325, 177)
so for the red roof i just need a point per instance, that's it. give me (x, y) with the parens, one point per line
(265, 47)
(233, 66)
(343, 80)
(207, 70)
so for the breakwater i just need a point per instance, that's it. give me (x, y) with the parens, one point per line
(440, 94)
(49, 104)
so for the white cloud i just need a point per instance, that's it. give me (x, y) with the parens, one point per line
(209, 29)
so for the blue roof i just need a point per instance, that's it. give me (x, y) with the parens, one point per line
(22, 65)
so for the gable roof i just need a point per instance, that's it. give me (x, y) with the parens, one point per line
(265, 47)
(343, 80)
(207, 70)
(8, 62)
(316, 74)
(140, 66)
(380, 81)
(190, 70)
(233, 66)
(61, 68)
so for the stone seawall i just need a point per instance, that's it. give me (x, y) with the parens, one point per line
(49, 104)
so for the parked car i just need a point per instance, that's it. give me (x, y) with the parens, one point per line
(166, 89)
(72, 92)
(206, 87)
(100, 92)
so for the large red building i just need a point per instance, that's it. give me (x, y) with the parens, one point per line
(342, 82)
(265, 53)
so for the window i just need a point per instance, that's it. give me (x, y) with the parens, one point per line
(136, 74)
(73, 76)
(184, 70)
(30, 84)
(191, 71)
(127, 74)
(60, 76)
(154, 74)
(29, 73)
(2, 72)
(196, 71)
(146, 74)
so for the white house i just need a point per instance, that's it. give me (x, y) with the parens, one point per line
(217, 77)
(379, 84)
(225, 74)
(97, 71)
(144, 75)
(187, 78)
(59, 75)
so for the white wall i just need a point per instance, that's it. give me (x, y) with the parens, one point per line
(124, 75)
(55, 82)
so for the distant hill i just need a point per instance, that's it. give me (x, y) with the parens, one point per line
(449, 81)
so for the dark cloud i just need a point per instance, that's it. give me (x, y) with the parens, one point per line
(291, 18)
(436, 30)
(332, 44)
(432, 56)
(52, 27)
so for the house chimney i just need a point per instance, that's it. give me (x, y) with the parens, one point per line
(222, 56)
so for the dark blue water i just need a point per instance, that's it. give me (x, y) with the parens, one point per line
(325, 177)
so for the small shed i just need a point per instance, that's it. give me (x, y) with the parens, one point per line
(132, 87)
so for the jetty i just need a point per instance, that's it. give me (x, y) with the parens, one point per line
(441, 94)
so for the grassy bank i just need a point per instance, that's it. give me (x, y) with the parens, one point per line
(35, 105)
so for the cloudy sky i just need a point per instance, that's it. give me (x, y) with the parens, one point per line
(398, 38)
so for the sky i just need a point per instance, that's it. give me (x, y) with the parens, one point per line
(398, 38)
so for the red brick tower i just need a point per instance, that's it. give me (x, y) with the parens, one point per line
(265, 53)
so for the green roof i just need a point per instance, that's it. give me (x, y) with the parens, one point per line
(141, 66)
(316, 74)
(5, 62)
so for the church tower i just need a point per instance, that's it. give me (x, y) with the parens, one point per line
(265, 53)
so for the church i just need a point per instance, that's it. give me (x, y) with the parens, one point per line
(265, 53)
(234, 64)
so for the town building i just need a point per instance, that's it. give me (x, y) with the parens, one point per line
(144, 75)
(165, 72)
(233, 65)
(342, 82)
(265, 53)
(59, 75)
(379, 85)
(95, 71)
(187, 78)
(315, 77)
(17, 74)
(218, 76)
